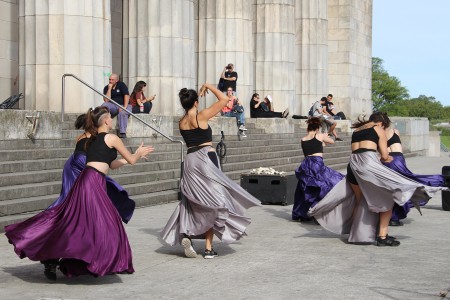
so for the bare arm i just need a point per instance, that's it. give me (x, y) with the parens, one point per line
(141, 152)
(108, 93)
(126, 100)
(118, 163)
(382, 144)
(326, 139)
(215, 108)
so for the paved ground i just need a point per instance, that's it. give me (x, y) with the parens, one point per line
(279, 259)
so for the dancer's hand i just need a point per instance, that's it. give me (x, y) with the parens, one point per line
(388, 159)
(203, 90)
(142, 151)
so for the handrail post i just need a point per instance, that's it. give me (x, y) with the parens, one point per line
(118, 105)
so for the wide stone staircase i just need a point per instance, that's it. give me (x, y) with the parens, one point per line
(30, 172)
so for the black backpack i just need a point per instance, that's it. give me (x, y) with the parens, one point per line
(311, 111)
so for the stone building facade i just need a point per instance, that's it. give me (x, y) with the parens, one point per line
(295, 50)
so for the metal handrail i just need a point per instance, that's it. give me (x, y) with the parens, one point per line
(115, 103)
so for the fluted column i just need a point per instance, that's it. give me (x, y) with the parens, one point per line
(58, 37)
(9, 45)
(350, 56)
(312, 53)
(275, 51)
(159, 49)
(225, 36)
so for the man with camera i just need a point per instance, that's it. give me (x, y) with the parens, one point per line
(229, 77)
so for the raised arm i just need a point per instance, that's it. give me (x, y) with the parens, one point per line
(216, 107)
(141, 152)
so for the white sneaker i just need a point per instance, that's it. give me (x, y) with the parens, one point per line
(188, 249)
(242, 128)
(242, 134)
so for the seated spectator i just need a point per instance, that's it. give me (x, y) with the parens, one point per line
(318, 111)
(331, 111)
(264, 109)
(235, 109)
(139, 103)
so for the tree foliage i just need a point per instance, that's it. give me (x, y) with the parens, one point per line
(387, 90)
(388, 95)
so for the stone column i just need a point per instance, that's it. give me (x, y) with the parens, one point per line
(312, 53)
(9, 49)
(350, 55)
(275, 52)
(58, 37)
(159, 49)
(225, 36)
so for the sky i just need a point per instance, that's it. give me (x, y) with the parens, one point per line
(412, 37)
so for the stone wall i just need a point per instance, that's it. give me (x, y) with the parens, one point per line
(9, 49)
(414, 133)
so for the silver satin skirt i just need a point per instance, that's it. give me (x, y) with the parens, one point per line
(210, 200)
(338, 212)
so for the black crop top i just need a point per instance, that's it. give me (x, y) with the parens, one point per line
(196, 136)
(368, 134)
(98, 151)
(393, 140)
(80, 145)
(312, 146)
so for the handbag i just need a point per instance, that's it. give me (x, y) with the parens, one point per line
(220, 85)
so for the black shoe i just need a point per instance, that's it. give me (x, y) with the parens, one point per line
(390, 237)
(50, 271)
(123, 135)
(387, 241)
(395, 223)
(210, 254)
(338, 139)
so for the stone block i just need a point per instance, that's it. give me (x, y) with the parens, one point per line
(14, 125)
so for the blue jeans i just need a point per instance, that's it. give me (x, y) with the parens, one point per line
(122, 116)
(239, 117)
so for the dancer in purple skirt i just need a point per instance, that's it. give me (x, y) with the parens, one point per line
(315, 179)
(212, 203)
(398, 164)
(85, 232)
(77, 162)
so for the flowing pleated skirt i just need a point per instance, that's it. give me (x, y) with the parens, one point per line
(85, 232)
(315, 180)
(381, 187)
(119, 197)
(398, 164)
(210, 200)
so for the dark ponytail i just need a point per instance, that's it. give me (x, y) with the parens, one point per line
(80, 122)
(93, 118)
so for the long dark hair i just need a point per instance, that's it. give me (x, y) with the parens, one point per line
(313, 124)
(80, 122)
(138, 88)
(187, 98)
(375, 117)
(93, 119)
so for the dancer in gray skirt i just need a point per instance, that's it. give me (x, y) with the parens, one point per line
(212, 204)
(375, 190)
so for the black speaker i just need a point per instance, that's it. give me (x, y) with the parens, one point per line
(270, 189)
(446, 194)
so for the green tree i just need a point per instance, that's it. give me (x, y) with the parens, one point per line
(387, 91)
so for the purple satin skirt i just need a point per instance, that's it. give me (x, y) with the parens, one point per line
(85, 232)
(315, 180)
(398, 164)
(119, 197)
